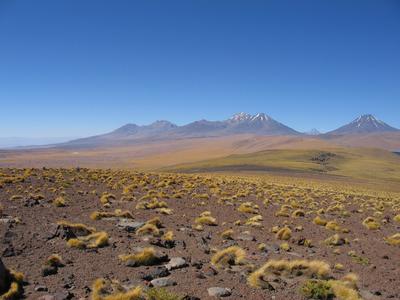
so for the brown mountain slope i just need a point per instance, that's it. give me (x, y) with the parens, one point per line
(388, 140)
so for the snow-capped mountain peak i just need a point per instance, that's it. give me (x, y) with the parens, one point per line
(364, 124)
(367, 119)
(260, 117)
(242, 116)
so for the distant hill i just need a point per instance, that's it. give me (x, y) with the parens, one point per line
(14, 142)
(364, 124)
(242, 123)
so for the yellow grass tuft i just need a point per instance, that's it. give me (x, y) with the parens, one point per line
(319, 221)
(228, 257)
(54, 260)
(284, 234)
(371, 224)
(100, 292)
(313, 268)
(227, 234)
(397, 218)
(205, 218)
(59, 202)
(93, 240)
(393, 240)
(148, 229)
(298, 213)
(248, 207)
(145, 257)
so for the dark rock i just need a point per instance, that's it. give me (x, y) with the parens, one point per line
(9, 251)
(4, 278)
(40, 288)
(157, 273)
(49, 270)
(187, 297)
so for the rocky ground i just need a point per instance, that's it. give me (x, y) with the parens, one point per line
(197, 217)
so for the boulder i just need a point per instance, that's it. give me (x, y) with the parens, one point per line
(4, 278)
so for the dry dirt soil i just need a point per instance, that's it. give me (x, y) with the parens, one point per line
(30, 232)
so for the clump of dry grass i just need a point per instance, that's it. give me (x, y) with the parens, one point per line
(284, 234)
(298, 213)
(343, 289)
(152, 204)
(248, 207)
(148, 230)
(255, 221)
(59, 202)
(205, 218)
(332, 225)
(15, 290)
(114, 291)
(284, 211)
(319, 221)
(106, 198)
(393, 240)
(371, 223)
(143, 257)
(118, 213)
(55, 260)
(93, 240)
(313, 268)
(227, 234)
(335, 240)
(77, 229)
(228, 257)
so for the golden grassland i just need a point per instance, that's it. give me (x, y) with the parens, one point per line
(356, 163)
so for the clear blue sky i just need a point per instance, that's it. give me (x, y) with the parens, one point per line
(80, 67)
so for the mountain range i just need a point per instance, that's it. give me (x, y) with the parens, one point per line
(242, 123)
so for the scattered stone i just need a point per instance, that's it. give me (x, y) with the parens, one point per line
(246, 237)
(7, 220)
(63, 295)
(9, 251)
(219, 292)
(49, 270)
(176, 263)
(40, 288)
(162, 282)
(31, 202)
(210, 271)
(157, 273)
(129, 225)
(47, 297)
(187, 297)
(367, 295)
(4, 278)
(163, 244)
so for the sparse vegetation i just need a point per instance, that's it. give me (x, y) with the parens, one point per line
(221, 225)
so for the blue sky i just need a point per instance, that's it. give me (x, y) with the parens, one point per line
(76, 68)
